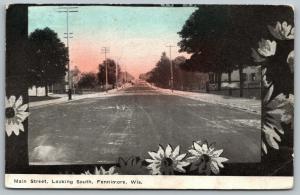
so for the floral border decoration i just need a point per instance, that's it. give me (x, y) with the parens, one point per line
(15, 114)
(201, 158)
(279, 106)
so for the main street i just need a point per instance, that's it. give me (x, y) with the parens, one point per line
(134, 121)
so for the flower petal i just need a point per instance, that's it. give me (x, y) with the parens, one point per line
(220, 160)
(192, 158)
(271, 137)
(214, 167)
(9, 129)
(102, 171)
(194, 152)
(19, 102)
(264, 147)
(183, 163)
(155, 172)
(168, 151)
(160, 152)
(86, 173)
(268, 94)
(256, 57)
(179, 169)
(217, 153)
(12, 100)
(154, 155)
(154, 167)
(23, 108)
(290, 60)
(122, 162)
(205, 148)
(198, 148)
(16, 128)
(180, 157)
(22, 116)
(111, 170)
(175, 152)
(21, 126)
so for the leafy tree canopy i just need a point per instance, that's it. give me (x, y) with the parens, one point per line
(88, 80)
(229, 32)
(111, 71)
(47, 58)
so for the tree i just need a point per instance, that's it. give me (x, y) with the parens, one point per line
(47, 58)
(249, 28)
(111, 69)
(160, 75)
(177, 71)
(88, 80)
(204, 36)
(220, 38)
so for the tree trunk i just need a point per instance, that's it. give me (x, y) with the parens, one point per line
(46, 90)
(241, 80)
(207, 86)
(219, 75)
(229, 82)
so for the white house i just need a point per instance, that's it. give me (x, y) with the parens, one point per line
(251, 77)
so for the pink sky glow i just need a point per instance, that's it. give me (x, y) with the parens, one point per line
(136, 36)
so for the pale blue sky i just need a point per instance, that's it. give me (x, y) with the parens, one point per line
(136, 34)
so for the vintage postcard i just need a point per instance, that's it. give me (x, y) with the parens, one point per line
(149, 96)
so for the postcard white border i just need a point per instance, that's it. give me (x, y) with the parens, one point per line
(146, 182)
(238, 182)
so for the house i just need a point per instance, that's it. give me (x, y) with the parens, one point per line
(251, 76)
(58, 88)
(190, 81)
(252, 83)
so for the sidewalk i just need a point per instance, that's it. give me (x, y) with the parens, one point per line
(247, 105)
(64, 98)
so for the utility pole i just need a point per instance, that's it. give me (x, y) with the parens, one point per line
(117, 75)
(68, 35)
(125, 73)
(105, 50)
(171, 66)
(117, 65)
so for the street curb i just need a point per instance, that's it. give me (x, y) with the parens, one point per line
(234, 106)
(220, 103)
(108, 94)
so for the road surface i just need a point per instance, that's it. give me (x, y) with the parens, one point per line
(134, 121)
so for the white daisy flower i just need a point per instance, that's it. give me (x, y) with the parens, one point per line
(102, 171)
(282, 31)
(205, 158)
(15, 114)
(278, 110)
(267, 48)
(290, 60)
(165, 162)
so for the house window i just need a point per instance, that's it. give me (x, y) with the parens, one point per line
(253, 77)
(244, 77)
